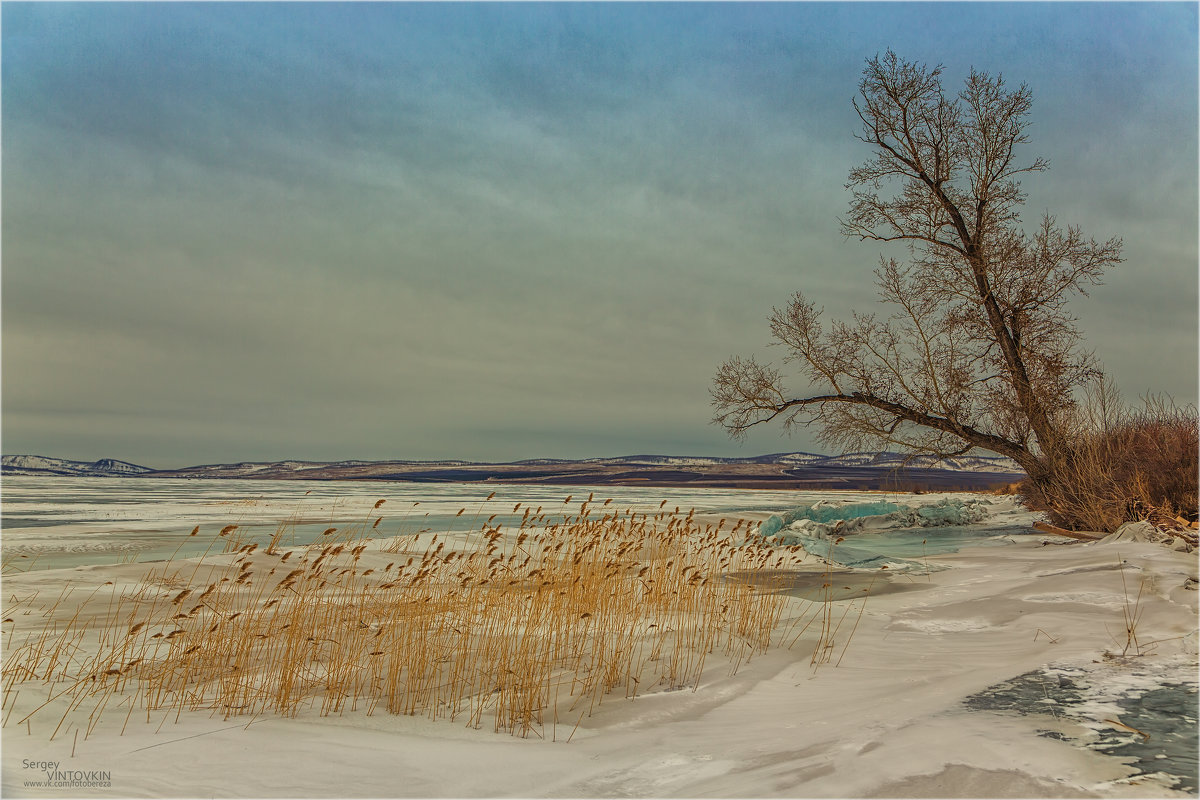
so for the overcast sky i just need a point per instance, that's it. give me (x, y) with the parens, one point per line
(250, 232)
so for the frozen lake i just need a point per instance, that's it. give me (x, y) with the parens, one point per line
(1000, 645)
(54, 522)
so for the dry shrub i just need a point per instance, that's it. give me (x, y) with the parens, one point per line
(1120, 465)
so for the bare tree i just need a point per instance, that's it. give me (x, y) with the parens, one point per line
(979, 349)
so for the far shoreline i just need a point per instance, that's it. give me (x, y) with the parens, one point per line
(724, 476)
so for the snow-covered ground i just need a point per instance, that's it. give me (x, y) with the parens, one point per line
(901, 715)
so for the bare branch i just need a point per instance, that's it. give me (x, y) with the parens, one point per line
(980, 350)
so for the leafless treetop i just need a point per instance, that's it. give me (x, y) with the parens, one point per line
(974, 346)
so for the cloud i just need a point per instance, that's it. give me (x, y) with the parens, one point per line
(371, 230)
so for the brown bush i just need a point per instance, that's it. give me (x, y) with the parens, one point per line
(1119, 465)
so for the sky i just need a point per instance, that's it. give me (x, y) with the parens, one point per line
(505, 231)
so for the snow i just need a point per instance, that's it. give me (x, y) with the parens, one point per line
(890, 720)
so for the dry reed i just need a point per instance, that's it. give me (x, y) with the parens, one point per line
(510, 628)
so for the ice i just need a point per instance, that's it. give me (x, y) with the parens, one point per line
(828, 530)
(826, 512)
(869, 517)
(887, 721)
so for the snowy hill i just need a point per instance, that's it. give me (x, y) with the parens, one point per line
(880, 460)
(789, 463)
(43, 465)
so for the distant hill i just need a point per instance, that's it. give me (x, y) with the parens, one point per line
(43, 465)
(773, 471)
(883, 460)
(891, 471)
